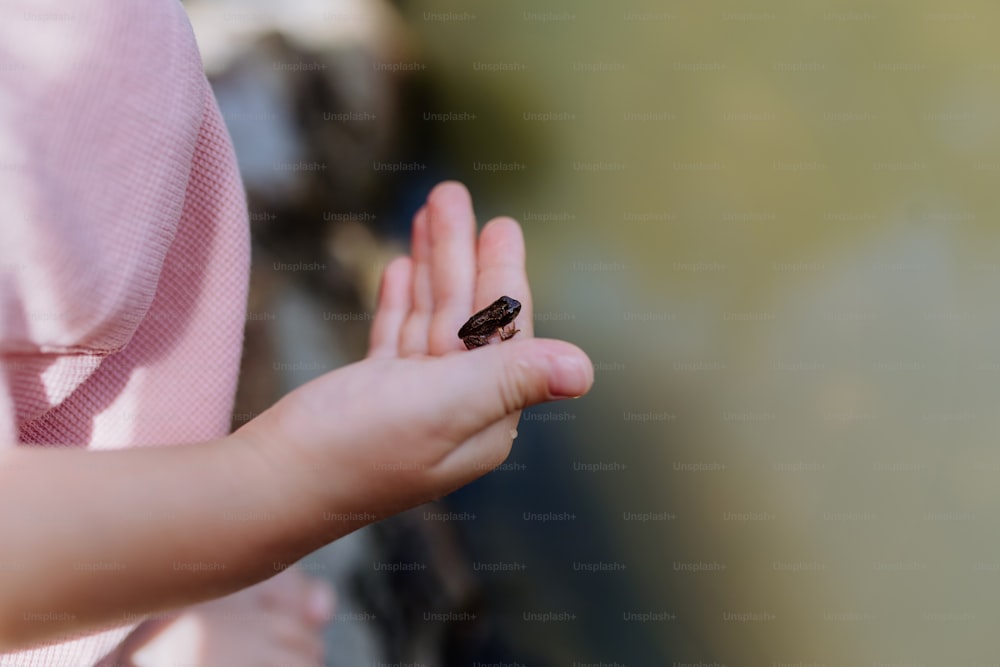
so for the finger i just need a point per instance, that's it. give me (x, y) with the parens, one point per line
(502, 272)
(452, 226)
(439, 406)
(413, 339)
(394, 301)
(293, 592)
(283, 591)
(511, 376)
(302, 642)
(321, 600)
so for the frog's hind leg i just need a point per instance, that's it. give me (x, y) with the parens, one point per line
(472, 342)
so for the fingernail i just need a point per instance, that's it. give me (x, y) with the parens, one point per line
(570, 376)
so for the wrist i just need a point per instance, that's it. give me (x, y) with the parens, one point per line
(296, 483)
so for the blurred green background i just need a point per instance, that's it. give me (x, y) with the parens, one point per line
(773, 227)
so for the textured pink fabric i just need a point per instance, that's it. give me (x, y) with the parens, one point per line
(123, 240)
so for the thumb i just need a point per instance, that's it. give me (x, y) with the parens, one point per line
(494, 381)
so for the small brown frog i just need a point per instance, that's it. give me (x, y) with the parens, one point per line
(490, 320)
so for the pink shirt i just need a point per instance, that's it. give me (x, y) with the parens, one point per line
(124, 251)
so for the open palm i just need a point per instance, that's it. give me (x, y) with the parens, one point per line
(421, 415)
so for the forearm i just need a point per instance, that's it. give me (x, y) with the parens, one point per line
(93, 538)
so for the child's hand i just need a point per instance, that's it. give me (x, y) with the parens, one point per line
(422, 416)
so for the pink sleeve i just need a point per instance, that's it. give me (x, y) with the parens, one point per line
(123, 240)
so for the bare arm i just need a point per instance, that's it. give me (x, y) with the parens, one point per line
(98, 537)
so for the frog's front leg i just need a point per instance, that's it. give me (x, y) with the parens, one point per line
(507, 336)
